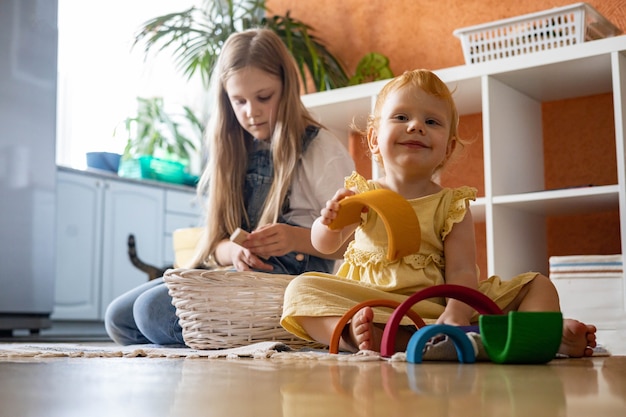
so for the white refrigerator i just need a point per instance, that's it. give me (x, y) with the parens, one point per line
(28, 74)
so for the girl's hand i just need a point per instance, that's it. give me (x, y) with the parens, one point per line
(329, 213)
(244, 260)
(275, 239)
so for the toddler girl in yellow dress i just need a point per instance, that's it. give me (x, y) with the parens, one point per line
(411, 134)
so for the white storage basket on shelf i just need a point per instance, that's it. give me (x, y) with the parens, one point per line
(534, 32)
(227, 309)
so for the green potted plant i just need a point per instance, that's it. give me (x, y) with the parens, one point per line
(372, 67)
(196, 36)
(159, 143)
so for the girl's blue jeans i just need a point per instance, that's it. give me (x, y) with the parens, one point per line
(144, 314)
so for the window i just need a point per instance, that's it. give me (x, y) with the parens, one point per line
(100, 77)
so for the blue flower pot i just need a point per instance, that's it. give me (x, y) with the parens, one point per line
(105, 161)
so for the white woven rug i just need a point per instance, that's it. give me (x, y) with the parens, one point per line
(260, 350)
(74, 350)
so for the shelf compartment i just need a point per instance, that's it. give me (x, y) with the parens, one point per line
(564, 201)
(513, 140)
(516, 241)
(561, 80)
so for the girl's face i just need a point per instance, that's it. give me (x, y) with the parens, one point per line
(413, 131)
(254, 96)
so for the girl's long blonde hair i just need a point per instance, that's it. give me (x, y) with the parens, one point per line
(222, 182)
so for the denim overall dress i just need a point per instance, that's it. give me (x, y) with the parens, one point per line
(259, 177)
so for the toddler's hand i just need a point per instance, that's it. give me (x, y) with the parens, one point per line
(329, 213)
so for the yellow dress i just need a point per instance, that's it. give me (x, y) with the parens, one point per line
(367, 274)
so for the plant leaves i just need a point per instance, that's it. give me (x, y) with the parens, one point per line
(195, 37)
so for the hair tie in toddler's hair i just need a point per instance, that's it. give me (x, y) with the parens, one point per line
(401, 224)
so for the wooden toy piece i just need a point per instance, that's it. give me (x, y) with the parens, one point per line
(464, 348)
(239, 236)
(336, 336)
(522, 337)
(401, 224)
(480, 302)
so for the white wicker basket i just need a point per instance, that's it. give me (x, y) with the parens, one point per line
(226, 309)
(534, 32)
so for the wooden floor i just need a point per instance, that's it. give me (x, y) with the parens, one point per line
(137, 387)
(67, 387)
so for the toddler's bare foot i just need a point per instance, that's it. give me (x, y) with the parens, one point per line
(364, 334)
(578, 340)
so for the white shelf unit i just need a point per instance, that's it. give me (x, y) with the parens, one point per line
(509, 94)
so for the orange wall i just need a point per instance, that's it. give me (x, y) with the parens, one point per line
(579, 138)
(413, 33)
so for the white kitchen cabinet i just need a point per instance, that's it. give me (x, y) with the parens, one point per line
(78, 246)
(509, 94)
(95, 216)
(129, 209)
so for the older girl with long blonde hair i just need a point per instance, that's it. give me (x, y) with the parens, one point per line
(271, 168)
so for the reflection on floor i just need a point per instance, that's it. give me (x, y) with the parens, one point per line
(288, 387)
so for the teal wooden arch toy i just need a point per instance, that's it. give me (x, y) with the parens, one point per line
(464, 348)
